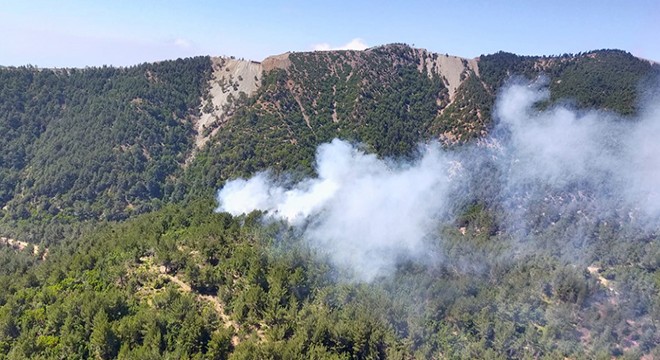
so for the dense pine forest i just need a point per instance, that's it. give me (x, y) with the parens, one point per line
(125, 257)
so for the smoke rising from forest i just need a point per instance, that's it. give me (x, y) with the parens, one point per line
(538, 165)
(612, 160)
(366, 212)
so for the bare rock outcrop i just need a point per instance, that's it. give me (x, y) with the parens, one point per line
(230, 78)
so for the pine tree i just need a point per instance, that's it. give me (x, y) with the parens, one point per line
(103, 342)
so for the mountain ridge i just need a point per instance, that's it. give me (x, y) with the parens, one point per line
(388, 97)
(114, 173)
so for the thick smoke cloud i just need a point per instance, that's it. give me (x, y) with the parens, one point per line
(555, 146)
(614, 160)
(368, 213)
(642, 170)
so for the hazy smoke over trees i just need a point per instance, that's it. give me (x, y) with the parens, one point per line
(367, 212)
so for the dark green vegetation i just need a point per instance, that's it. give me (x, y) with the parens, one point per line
(378, 98)
(102, 296)
(81, 149)
(606, 79)
(95, 143)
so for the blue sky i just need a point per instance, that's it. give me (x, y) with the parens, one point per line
(70, 33)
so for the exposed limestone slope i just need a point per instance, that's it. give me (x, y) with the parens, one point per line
(233, 81)
(230, 78)
(281, 61)
(452, 69)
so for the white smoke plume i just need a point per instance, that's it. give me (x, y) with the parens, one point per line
(554, 146)
(619, 158)
(367, 213)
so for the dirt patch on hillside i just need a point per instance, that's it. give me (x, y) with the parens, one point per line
(453, 70)
(230, 78)
(147, 265)
(281, 61)
(232, 82)
(22, 245)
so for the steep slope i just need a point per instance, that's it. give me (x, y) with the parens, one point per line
(452, 69)
(231, 79)
(95, 143)
(107, 143)
(379, 97)
(390, 98)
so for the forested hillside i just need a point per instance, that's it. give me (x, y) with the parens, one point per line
(99, 167)
(105, 143)
(376, 97)
(386, 99)
(96, 143)
(161, 284)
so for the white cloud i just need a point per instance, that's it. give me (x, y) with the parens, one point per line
(182, 43)
(355, 44)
